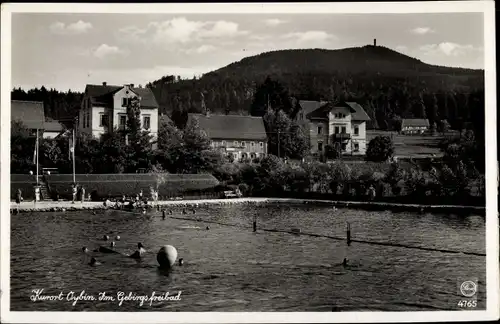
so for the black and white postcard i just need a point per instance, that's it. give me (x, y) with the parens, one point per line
(229, 163)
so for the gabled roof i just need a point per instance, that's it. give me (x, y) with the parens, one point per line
(53, 126)
(103, 95)
(320, 109)
(415, 122)
(359, 113)
(308, 106)
(231, 127)
(30, 113)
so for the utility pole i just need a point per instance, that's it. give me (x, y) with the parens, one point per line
(37, 152)
(278, 143)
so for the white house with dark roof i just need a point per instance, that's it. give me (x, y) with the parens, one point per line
(104, 108)
(342, 124)
(239, 137)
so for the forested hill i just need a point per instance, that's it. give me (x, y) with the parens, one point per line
(386, 83)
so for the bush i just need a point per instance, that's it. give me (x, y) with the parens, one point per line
(380, 149)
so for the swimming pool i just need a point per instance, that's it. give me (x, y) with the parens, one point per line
(230, 268)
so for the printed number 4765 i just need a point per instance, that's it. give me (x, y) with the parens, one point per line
(467, 303)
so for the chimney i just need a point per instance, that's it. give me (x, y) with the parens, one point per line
(131, 85)
(374, 42)
(104, 83)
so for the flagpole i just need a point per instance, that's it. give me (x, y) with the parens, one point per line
(37, 151)
(74, 180)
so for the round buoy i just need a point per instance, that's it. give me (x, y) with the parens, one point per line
(166, 256)
(117, 237)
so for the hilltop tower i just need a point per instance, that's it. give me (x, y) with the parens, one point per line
(374, 42)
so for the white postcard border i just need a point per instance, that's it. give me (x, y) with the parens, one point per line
(492, 239)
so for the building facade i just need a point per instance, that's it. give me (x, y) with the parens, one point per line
(341, 125)
(104, 108)
(412, 126)
(238, 137)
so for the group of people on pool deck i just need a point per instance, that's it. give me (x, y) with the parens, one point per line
(139, 201)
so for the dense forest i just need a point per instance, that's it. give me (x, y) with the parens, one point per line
(388, 84)
(61, 106)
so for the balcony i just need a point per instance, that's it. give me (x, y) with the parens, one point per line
(341, 137)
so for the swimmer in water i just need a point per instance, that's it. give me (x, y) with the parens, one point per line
(181, 262)
(140, 251)
(208, 228)
(113, 244)
(105, 237)
(93, 262)
(85, 250)
(344, 263)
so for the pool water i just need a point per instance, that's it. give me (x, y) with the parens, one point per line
(228, 267)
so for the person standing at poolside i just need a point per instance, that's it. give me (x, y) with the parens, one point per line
(371, 193)
(152, 193)
(19, 196)
(37, 194)
(74, 192)
(82, 193)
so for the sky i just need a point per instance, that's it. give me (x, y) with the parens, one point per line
(67, 51)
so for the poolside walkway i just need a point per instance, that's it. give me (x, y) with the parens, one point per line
(30, 206)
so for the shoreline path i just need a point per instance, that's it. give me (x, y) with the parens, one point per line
(50, 205)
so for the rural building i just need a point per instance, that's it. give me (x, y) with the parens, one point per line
(342, 125)
(32, 115)
(414, 126)
(239, 137)
(52, 129)
(104, 108)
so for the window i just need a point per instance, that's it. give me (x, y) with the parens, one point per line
(243, 144)
(319, 130)
(223, 143)
(125, 102)
(356, 147)
(146, 122)
(123, 121)
(261, 144)
(88, 119)
(252, 144)
(235, 143)
(356, 130)
(301, 116)
(104, 120)
(343, 130)
(337, 129)
(320, 147)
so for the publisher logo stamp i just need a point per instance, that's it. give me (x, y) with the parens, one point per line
(468, 288)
